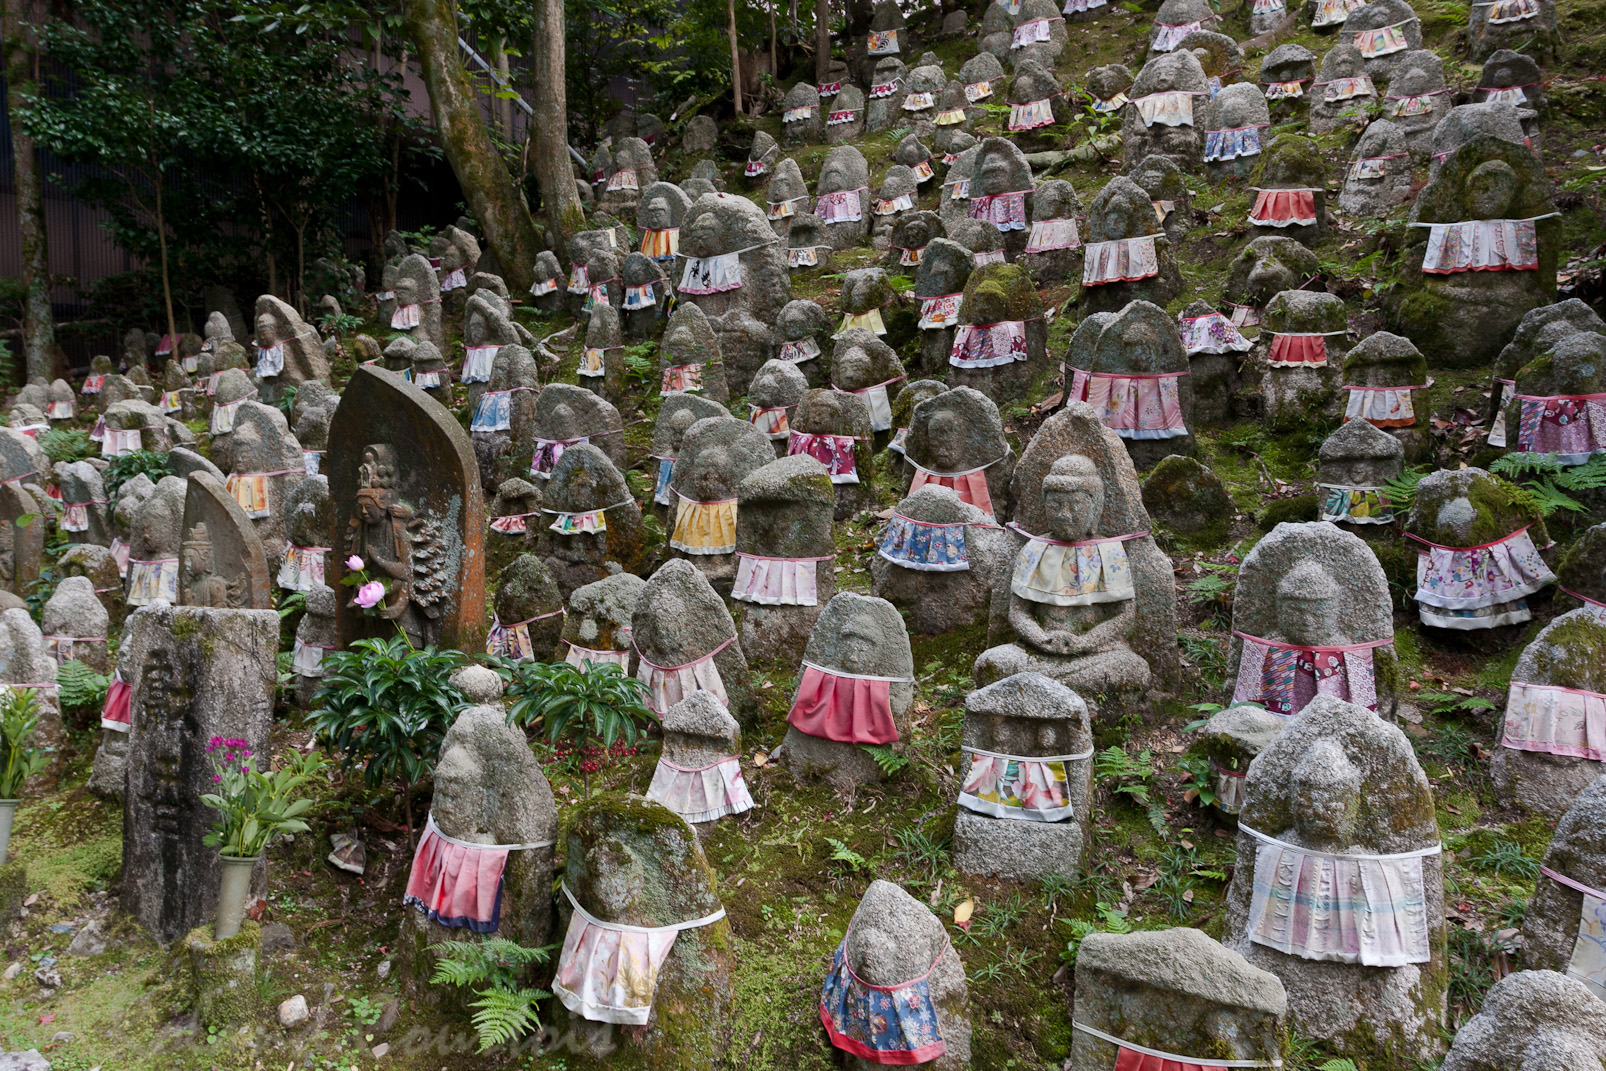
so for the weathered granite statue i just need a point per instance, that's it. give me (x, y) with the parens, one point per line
(1562, 929)
(222, 564)
(647, 959)
(1382, 30)
(547, 291)
(1051, 244)
(1025, 797)
(1168, 191)
(566, 416)
(418, 303)
(1512, 78)
(154, 544)
(689, 358)
(868, 368)
(889, 88)
(762, 157)
(784, 553)
(685, 641)
(647, 296)
(527, 617)
(771, 399)
(1540, 331)
(897, 198)
(1532, 1021)
(1379, 174)
(288, 350)
(801, 121)
(86, 516)
(195, 674)
(1174, 992)
(492, 827)
(1291, 195)
(1220, 56)
(589, 523)
(911, 233)
(1036, 103)
(896, 965)
(855, 688)
(786, 197)
(1477, 546)
(699, 773)
(1338, 816)
(1286, 73)
(1418, 99)
(715, 455)
(503, 420)
(677, 414)
(842, 197)
(1312, 616)
(956, 440)
(803, 336)
(1095, 617)
(1127, 257)
(76, 624)
(732, 259)
(1382, 374)
(809, 243)
(1158, 119)
(1504, 24)
(1234, 123)
(1134, 373)
(634, 171)
(407, 501)
(1266, 267)
(834, 428)
(940, 281)
(844, 118)
(1230, 741)
(1353, 466)
(597, 625)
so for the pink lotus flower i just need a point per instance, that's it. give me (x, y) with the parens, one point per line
(354, 563)
(370, 594)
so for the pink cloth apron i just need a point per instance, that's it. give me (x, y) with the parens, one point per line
(458, 884)
(845, 707)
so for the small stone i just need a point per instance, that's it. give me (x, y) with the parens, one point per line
(23, 1061)
(61, 1037)
(277, 937)
(383, 970)
(294, 1012)
(48, 977)
(380, 1050)
(88, 942)
(11, 972)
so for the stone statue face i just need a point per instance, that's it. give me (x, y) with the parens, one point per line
(834, 176)
(860, 640)
(198, 560)
(1326, 796)
(992, 174)
(267, 333)
(1073, 515)
(474, 333)
(1308, 621)
(852, 366)
(655, 214)
(1491, 188)
(945, 434)
(1270, 276)
(406, 291)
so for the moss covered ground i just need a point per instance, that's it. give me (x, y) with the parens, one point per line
(792, 870)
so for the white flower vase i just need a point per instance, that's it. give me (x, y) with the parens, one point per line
(233, 890)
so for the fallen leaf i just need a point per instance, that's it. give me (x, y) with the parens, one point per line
(1179, 749)
(1187, 896)
(48, 1017)
(33, 898)
(962, 913)
(760, 759)
(1452, 809)
(1190, 795)
(936, 894)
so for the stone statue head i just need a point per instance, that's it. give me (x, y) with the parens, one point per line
(1326, 791)
(407, 290)
(1491, 190)
(1073, 498)
(1308, 605)
(267, 330)
(198, 551)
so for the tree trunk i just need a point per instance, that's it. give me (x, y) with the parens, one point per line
(38, 324)
(775, 62)
(549, 129)
(822, 40)
(504, 107)
(489, 190)
(736, 57)
(161, 239)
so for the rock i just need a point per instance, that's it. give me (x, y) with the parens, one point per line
(277, 937)
(1558, 913)
(1532, 1021)
(1176, 991)
(1024, 716)
(293, 1012)
(1338, 779)
(938, 600)
(30, 1060)
(1230, 740)
(1141, 340)
(1187, 497)
(860, 636)
(89, 941)
(1297, 362)
(1525, 771)
(700, 136)
(1124, 213)
(225, 975)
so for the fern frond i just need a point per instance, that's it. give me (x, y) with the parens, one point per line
(1157, 820)
(889, 760)
(501, 1015)
(1400, 492)
(1514, 465)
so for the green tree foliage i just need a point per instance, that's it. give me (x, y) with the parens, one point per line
(220, 136)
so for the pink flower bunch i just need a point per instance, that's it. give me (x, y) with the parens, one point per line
(370, 594)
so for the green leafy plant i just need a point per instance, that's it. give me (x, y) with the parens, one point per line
(889, 760)
(19, 717)
(339, 323)
(841, 853)
(287, 399)
(594, 703)
(1213, 590)
(385, 706)
(1551, 483)
(1206, 711)
(492, 968)
(1199, 784)
(79, 689)
(66, 444)
(1208, 655)
(1132, 776)
(254, 807)
(125, 467)
(1505, 858)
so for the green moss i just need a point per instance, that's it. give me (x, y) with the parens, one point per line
(1293, 510)
(1423, 317)
(224, 975)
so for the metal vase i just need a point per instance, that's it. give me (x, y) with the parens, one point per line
(234, 889)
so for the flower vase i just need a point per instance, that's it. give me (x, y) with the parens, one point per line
(233, 890)
(8, 811)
